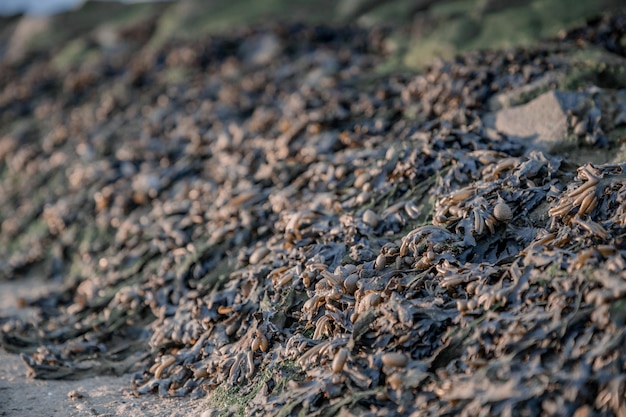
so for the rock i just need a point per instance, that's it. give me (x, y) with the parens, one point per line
(543, 122)
(371, 218)
(261, 49)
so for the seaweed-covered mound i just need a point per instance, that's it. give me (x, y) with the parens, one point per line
(262, 217)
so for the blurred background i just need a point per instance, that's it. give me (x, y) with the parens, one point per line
(421, 29)
(34, 7)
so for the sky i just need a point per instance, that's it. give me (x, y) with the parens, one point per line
(40, 7)
(36, 7)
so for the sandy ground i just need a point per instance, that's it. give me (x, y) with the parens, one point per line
(101, 396)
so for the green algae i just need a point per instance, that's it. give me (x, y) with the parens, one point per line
(232, 401)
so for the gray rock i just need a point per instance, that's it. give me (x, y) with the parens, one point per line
(260, 49)
(543, 122)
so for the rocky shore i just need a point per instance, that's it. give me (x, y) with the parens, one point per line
(279, 221)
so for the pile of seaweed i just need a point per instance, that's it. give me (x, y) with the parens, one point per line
(265, 215)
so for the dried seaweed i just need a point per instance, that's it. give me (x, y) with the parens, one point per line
(299, 239)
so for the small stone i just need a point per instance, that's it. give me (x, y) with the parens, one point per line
(75, 395)
(261, 49)
(502, 212)
(370, 218)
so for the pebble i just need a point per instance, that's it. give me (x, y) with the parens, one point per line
(502, 212)
(371, 218)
